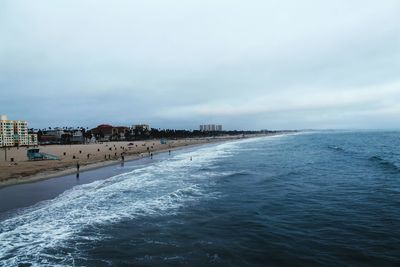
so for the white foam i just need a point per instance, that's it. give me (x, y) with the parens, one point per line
(154, 190)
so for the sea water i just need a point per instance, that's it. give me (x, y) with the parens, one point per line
(309, 199)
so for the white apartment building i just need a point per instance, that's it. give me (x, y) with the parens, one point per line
(15, 133)
(6, 131)
(210, 128)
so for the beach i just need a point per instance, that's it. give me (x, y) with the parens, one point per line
(89, 156)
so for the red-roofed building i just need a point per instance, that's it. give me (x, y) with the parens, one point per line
(102, 132)
(106, 132)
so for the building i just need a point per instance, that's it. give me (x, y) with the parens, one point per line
(141, 127)
(51, 136)
(210, 128)
(57, 133)
(21, 137)
(6, 131)
(103, 132)
(32, 139)
(119, 133)
(77, 137)
(15, 133)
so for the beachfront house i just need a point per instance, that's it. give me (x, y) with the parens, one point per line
(77, 137)
(106, 132)
(119, 133)
(139, 131)
(51, 136)
(103, 132)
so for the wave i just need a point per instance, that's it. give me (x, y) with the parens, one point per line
(235, 174)
(155, 190)
(336, 148)
(387, 164)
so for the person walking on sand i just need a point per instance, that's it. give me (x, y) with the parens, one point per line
(122, 160)
(77, 166)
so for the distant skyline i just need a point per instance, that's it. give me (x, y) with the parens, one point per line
(177, 64)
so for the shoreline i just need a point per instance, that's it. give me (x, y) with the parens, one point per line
(49, 174)
(68, 168)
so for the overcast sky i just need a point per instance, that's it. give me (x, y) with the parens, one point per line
(283, 64)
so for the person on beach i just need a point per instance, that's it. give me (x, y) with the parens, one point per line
(77, 166)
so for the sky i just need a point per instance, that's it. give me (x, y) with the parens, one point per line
(268, 64)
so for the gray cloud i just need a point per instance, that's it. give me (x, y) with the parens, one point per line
(246, 64)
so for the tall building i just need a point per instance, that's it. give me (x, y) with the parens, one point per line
(21, 137)
(210, 128)
(15, 133)
(6, 131)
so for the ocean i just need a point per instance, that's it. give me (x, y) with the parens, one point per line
(329, 198)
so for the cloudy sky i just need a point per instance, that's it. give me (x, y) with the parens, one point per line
(275, 64)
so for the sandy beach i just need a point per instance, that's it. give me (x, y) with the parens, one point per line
(89, 156)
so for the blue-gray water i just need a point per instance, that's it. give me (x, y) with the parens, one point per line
(314, 199)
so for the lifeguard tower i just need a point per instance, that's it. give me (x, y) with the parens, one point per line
(34, 154)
